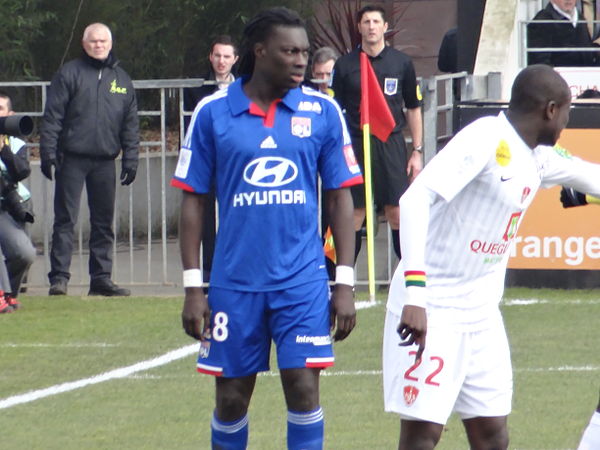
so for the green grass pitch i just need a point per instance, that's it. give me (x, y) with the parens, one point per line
(555, 344)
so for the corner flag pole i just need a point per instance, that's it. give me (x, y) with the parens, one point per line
(365, 113)
(369, 208)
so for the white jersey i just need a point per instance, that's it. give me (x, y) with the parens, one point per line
(480, 186)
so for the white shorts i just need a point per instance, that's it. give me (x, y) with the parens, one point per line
(466, 372)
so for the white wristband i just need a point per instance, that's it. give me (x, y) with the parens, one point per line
(344, 275)
(416, 296)
(192, 278)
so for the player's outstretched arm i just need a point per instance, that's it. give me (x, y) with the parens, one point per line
(569, 197)
(195, 317)
(343, 312)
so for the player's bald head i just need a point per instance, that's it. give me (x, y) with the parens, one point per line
(536, 86)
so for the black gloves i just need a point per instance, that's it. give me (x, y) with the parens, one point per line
(570, 197)
(47, 165)
(127, 176)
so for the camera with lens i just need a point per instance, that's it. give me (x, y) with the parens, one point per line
(12, 202)
(16, 125)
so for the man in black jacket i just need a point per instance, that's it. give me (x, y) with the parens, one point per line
(569, 30)
(90, 115)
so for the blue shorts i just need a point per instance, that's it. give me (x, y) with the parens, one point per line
(244, 323)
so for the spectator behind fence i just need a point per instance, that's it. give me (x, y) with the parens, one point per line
(269, 284)
(223, 56)
(90, 115)
(16, 250)
(569, 30)
(392, 167)
(323, 61)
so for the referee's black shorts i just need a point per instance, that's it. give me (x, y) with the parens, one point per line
(388, 170)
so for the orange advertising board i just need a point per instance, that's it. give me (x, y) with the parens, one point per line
(552, 237)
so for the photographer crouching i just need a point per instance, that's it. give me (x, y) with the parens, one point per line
(17, 253)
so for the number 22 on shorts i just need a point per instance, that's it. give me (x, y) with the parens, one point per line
(408, 375)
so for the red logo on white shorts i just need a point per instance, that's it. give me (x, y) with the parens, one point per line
(410, 394)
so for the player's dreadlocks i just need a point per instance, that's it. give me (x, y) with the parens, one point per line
(258, 30)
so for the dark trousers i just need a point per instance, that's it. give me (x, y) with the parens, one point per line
(98, 175)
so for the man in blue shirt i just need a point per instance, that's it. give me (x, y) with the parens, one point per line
(263, 141)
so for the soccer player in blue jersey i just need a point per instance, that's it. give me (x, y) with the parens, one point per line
(263, 141)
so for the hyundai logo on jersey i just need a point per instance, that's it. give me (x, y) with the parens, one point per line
(270, 171)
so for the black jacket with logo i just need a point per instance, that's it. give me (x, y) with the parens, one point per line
(91, 111)
(397, 78)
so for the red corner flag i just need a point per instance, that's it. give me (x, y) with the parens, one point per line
(374, 110)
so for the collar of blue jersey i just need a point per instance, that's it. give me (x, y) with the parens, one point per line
(240, 103)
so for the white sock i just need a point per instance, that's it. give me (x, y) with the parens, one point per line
(591, 436)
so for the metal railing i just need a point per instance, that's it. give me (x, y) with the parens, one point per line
(524, 42)
(145, 251)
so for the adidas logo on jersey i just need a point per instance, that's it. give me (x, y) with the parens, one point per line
(310, 106)
(269, 142)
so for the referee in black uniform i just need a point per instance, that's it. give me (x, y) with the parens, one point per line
(392, 167)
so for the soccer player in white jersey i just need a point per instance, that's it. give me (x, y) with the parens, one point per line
(445, 348)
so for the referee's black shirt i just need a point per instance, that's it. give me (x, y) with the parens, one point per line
(396, 75)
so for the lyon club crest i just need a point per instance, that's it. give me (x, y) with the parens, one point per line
(301, 126)
(204, 349)
(410, 394)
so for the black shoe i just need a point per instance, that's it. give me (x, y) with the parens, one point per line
(58, 287)
(108, 289)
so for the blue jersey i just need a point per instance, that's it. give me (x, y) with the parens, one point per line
(265, 166)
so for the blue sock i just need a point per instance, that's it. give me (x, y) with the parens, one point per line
(305, 430)
(229, 435)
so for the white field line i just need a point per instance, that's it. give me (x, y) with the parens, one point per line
(535, 301)
(121, 372)
(129, 371)
(366, 304)
(355, 373)
(64, 345)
